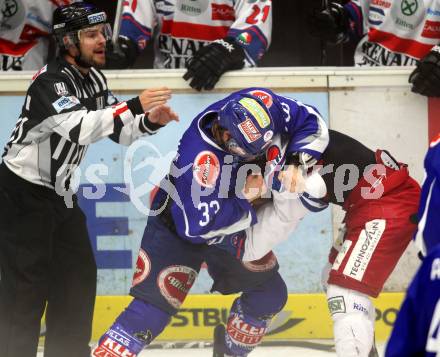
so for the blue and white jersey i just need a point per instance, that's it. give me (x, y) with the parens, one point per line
(416, 330)
(207, 181)
(428, 236)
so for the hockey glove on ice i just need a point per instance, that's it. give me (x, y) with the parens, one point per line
(425, 79)
(330, 24)
(122, 55)
(208, 64)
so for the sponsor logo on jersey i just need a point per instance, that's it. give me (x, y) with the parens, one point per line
(244, 38)
(249, 131)
(273, 153)
(377, 55)
(257, 111)
(341, 255)
(381, 3)
(61, 89)
(206, 168)
(435, 141)
(177, 51)
(376, 16)
(265, 97)
(409, 7)
(164, 7)
(435, 269)
(65, 103)
(192, 7)
(175, 282)
(336, 305)
(222, 12)
(143, 268)
(364, 249)
(109, 347)
(433, 12)
(97, 18)
(360, 307)
(431, 29)
(36, 18)
(268, 262)
(404, 24)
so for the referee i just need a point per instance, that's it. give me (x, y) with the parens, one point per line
(46, 260)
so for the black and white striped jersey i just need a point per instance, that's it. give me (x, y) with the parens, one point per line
(65, 111)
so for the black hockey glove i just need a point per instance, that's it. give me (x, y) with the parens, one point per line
(330, 24)
(425, 79)
(122, 55)
(208, 64)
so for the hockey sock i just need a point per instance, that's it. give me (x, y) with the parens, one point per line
(251, 314)
(134, 329)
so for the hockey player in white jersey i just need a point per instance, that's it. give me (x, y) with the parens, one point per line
(25, 29)
(388, 33)
(207, 37)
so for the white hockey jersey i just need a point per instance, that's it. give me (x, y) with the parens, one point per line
(181, 27)
(25, 27)
(394, 32)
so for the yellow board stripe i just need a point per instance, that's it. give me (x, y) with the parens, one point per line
(305, 316)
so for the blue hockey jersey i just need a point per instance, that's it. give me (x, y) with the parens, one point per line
(205, 181)
(428, 236)
(416, 330)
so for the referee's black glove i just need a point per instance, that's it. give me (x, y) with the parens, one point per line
(209, 63)
(425, 79)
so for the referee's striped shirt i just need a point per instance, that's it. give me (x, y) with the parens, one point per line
(64, 111)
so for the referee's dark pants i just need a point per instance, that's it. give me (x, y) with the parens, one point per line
(46, 262)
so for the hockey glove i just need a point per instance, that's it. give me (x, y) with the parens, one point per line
(209, 63)
(122, 55)
(425, 79)
(330, 24)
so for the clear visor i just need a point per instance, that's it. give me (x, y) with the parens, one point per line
(94, 33)
(233, 148)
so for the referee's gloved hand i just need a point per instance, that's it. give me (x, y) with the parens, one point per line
(209, 63)
(425, 79)
(121, 55)
(330, 24)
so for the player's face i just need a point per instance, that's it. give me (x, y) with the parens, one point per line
(92, 42)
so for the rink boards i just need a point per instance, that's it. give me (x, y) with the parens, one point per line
(305, 316)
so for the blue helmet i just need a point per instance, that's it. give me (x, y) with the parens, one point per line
(249, 123)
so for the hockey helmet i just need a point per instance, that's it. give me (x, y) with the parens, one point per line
(250, 124)
(69, 20)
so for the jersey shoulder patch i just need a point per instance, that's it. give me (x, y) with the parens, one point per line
(206, 168)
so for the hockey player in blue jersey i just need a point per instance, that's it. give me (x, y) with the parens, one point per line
(205, 198)
(416, 330)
